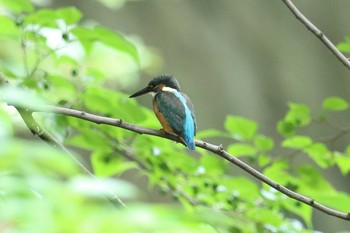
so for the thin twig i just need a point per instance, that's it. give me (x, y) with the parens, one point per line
(219, 150)
(318, 33)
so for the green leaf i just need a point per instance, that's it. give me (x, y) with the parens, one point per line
(343, 162)
(243, 187)
(265, 216)
(298, 114)
(8, 27)
(61, 88)
(6, 124)
(107, 37)
(70, 15)
(297, 142)
(113, 104)
(311, 181)
(337, 200)
(263, 160)
(278, 172)
(240, 149)
(18, 6)
(304, 211)
(20, 97)
(320, 154)
(335, 104)
(43, 17)
(263, 143)
(344, 46)
(117, 41)
(285, 128)
(34, 158)
(109, 163)
(240, 127)
(67, 60)
(88, 138)
(50, 17)
(211, 165)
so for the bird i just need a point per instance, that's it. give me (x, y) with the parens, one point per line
(172, 107)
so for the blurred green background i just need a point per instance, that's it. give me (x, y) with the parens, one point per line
(247, 58)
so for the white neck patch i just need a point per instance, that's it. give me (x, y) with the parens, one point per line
(169, 89)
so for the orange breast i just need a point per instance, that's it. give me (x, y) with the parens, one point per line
(162, 120)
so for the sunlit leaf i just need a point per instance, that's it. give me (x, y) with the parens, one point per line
(8, 27)
(304, 211)
(34, 158)
(109, 163)
(344, 46)
(211, 165)
(298, 114)
(50, 18)
(320, 154)
(278, 172)
(343, 162)
(18, 6)
(113, 104)
(241, 127)
(239, 149)
(20, 97)
(311, 181)
(335, 104)
(297, 142)
(70, 15)
(285, 128)
(6, 124)
(263, 143)
(265, 216)
(88, 37)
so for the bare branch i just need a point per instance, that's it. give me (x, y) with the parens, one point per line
(319, 34)
(219, 150)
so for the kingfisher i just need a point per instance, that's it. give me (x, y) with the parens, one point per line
(172, 107)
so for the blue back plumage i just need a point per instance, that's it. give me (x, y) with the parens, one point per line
(178, 110)
(188, 123)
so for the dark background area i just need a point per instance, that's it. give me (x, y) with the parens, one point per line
(247, 58)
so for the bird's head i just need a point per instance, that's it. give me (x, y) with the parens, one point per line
(157, 84)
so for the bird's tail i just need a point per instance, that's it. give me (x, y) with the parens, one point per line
(189, 142)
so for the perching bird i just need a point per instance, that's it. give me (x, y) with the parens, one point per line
(173, 108)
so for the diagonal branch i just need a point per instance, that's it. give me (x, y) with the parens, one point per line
(219, 150)
(317, 32)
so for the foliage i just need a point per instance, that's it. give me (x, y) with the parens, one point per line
(50, 55)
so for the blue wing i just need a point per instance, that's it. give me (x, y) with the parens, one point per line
(191, 108)
(172, 109)
(178, 111)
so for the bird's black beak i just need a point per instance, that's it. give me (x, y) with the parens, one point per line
(141, 92)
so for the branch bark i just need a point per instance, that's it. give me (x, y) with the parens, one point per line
(318, 33)
(218, 150)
